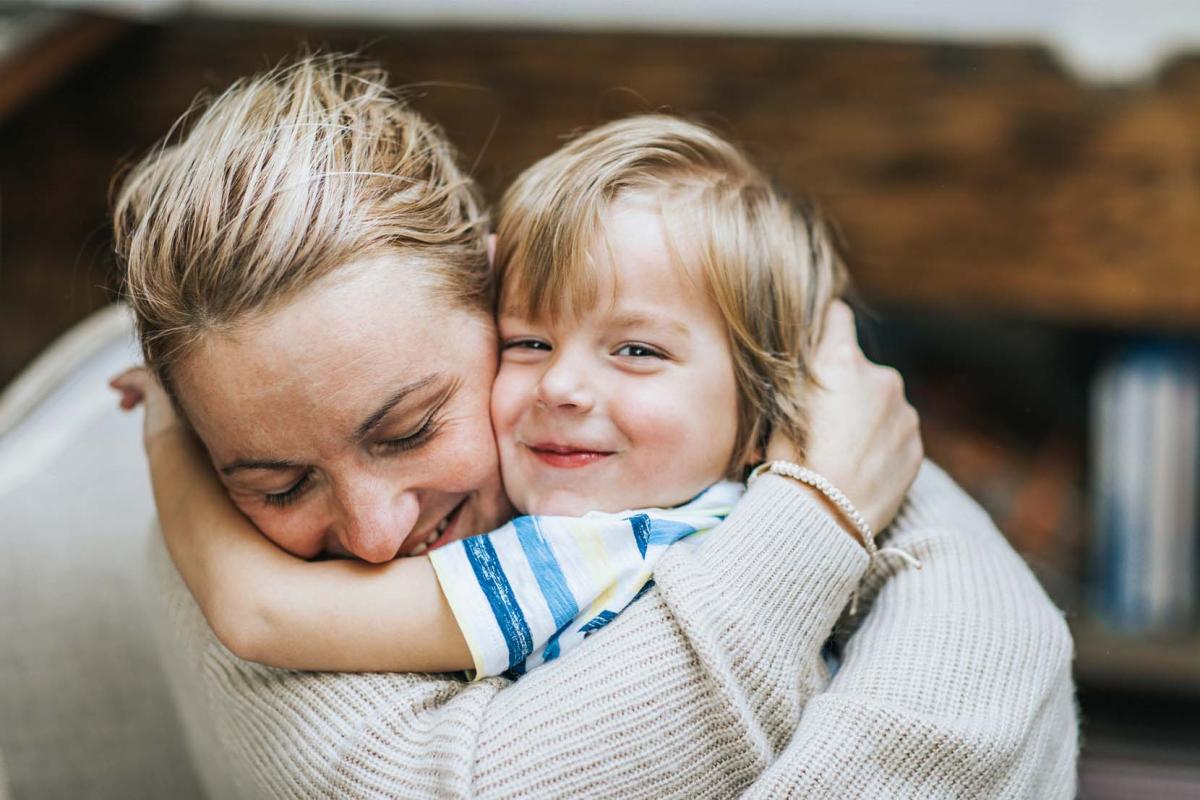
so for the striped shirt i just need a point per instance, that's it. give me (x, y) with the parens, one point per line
(533, 589)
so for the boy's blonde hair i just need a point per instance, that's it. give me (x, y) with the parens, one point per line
(282, 180)
(768, 264)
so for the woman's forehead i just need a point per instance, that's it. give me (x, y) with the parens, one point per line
(317, 364)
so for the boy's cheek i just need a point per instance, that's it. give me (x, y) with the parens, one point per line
(505, 405)
(505, 411)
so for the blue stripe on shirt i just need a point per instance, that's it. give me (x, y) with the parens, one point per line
(546, 569)
(665, 532)
(641, 532)
(500, 596)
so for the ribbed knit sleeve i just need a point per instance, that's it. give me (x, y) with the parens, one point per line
(957, 683)
(703, 688)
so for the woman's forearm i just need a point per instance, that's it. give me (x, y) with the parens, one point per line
(268, 606)
(956, 684)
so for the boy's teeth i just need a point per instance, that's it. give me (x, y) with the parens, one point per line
(432, 535)
(441, 526)
(421, 548)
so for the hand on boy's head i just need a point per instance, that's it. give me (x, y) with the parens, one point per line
(138, 386)
(864, 436)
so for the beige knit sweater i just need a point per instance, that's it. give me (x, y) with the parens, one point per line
(956, 683)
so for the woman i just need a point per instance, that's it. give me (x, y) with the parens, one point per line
(244, 246)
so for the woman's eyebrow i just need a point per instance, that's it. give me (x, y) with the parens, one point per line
(396, 397)
(261, 463)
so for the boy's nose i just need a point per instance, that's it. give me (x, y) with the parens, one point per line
(565, 386)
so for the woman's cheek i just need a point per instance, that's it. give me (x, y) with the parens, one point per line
(293, 529)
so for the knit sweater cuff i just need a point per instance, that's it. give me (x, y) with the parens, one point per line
(782, 566)
(778, 532)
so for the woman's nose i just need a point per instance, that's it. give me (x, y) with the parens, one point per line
(376, 519)
(566, 385)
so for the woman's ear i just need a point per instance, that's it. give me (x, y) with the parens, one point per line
(491, 244)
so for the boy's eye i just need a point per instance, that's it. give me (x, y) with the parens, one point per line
(288, 495)
(639, 351)
(527, 344)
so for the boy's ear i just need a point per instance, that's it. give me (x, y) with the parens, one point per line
(491, 245)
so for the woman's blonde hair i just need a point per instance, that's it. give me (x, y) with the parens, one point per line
(769, 265)
(280, 181)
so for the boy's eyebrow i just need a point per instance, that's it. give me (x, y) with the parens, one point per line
(621, 319)
(396, 397)
(630, 319)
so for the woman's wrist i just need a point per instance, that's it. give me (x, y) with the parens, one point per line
(832, 510)
(858, 530)
(777, 530)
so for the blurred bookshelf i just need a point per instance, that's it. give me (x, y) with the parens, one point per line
(1011, 407)
(1153, 663)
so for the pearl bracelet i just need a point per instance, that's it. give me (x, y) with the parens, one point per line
(806, 476)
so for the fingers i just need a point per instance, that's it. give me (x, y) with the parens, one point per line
(133, 377)
(132, 385)
(838, 347)
(130, 400)
(839, 324)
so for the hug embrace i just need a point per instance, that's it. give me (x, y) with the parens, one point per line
(466, 513)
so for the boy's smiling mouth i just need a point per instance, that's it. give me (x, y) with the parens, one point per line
(567, 456)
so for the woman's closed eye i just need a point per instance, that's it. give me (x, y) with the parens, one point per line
(288, 495)
(410, 441)
(424, 431)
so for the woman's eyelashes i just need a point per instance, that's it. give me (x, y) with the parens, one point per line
(428, 429)
(289, 495)
(410, 441)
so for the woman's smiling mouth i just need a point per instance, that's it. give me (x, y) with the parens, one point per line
(441, 534)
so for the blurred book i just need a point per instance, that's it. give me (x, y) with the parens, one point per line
(1145, 438)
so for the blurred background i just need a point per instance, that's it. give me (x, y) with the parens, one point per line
(1017, 184)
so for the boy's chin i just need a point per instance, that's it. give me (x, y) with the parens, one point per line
(568, 504)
